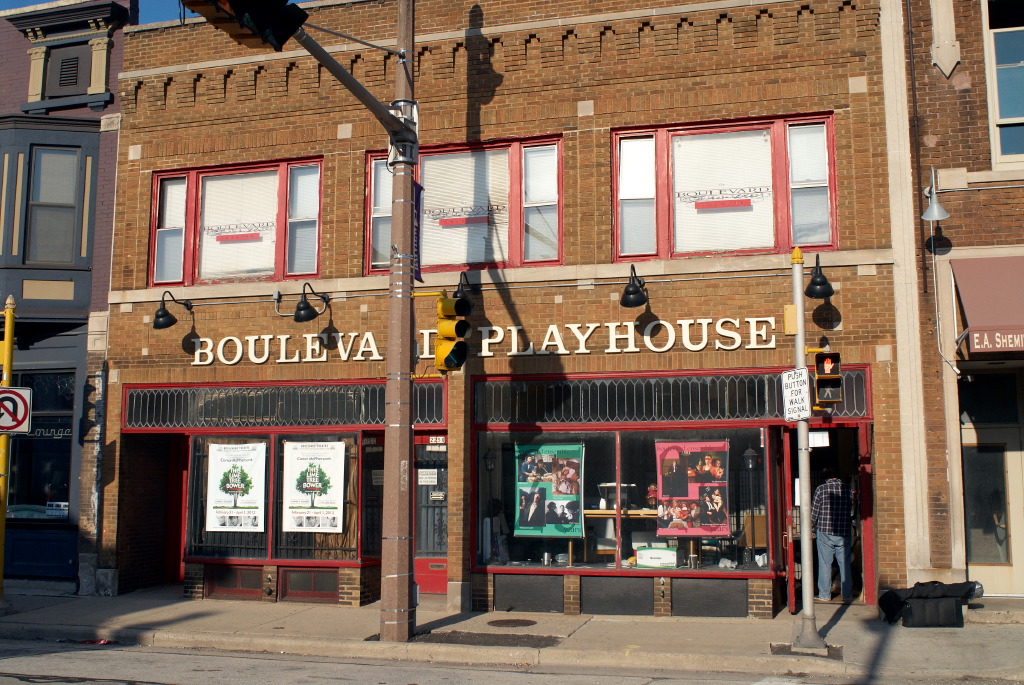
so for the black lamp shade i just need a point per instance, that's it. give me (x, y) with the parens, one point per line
(633, 294)
(304, 311)
(819, 288)
(163, 319)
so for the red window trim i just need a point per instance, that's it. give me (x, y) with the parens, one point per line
(516, 209)
(190, 247)
(664, 212)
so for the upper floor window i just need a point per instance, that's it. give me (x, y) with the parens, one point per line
(1005, 58)
(754, 187)
(54, 206)
(216, 225)
(499, 204)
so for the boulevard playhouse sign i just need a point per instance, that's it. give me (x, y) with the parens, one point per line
(619, 337)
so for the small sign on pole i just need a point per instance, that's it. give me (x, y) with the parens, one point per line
(796, 395)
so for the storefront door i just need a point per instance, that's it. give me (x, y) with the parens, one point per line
(845, 452)
(993, 472)
(431, 506)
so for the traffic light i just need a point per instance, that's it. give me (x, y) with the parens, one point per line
(828, 379)
(450, 351)
(252, 22)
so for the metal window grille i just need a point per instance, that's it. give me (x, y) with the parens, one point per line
(273, 406)
(629, 400)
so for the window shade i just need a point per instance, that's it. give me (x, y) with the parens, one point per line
(808, 156)
(54, 176)
(238, 225)
(723, 191)
(465, 208)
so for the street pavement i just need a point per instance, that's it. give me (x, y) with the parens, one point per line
(862, 646)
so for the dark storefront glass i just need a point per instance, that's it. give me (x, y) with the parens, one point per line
(41, 460)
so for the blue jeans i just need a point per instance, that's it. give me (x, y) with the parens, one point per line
(830, 546)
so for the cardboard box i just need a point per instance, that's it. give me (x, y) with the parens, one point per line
(659, 557)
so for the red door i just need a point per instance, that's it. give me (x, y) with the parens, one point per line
(177, 487)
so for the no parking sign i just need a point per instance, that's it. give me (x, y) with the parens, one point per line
(15, 410)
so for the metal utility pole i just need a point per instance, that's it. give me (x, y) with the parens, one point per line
(398, 610)
(808, 637)
(7, 360)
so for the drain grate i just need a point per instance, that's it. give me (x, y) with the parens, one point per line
(512, 623)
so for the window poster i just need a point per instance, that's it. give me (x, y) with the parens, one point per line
(313, 487)
(549, 491)
(236, 488)
(693, 488)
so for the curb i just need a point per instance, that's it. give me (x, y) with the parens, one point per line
(473, 655)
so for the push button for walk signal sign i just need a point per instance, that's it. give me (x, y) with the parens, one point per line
(15, 410)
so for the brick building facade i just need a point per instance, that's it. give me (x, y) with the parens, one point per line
(961, 103)
(560, 146)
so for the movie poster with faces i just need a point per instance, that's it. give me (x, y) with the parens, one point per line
(549, 491)
(236, 488)
(313, 487)
(693, 488)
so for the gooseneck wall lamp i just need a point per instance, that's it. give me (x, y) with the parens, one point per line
(164, 319)
(819, 288)
(304, 311)
(633, 294)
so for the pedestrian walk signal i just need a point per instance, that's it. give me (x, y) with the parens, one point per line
(828, 379)
(450, 350)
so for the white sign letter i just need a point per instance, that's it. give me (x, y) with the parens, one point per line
(761, 333)
(487, 340)
(732, 335)
(204, 352)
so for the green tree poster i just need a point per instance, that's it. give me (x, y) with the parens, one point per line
(236, 487)
(313, 477)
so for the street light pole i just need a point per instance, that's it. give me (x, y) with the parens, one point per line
(808, 637)
(398, 611)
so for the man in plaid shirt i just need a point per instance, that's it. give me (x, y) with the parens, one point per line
(831, 522)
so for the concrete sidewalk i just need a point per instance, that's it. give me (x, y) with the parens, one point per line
(989, 644)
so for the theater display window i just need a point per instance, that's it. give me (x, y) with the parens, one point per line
(688, 500)
(284, 497)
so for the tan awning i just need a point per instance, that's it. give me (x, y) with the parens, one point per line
(992, 295)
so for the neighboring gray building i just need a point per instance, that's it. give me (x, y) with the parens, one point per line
(59, 122)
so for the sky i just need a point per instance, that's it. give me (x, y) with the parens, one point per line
(151, 10)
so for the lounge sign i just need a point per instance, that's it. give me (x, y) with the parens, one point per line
(618, 337)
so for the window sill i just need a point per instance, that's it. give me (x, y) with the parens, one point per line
(97, 102)
(996, 176)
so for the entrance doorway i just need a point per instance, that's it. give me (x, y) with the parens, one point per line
(845, 452)
(993, 473)
(431, 505)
